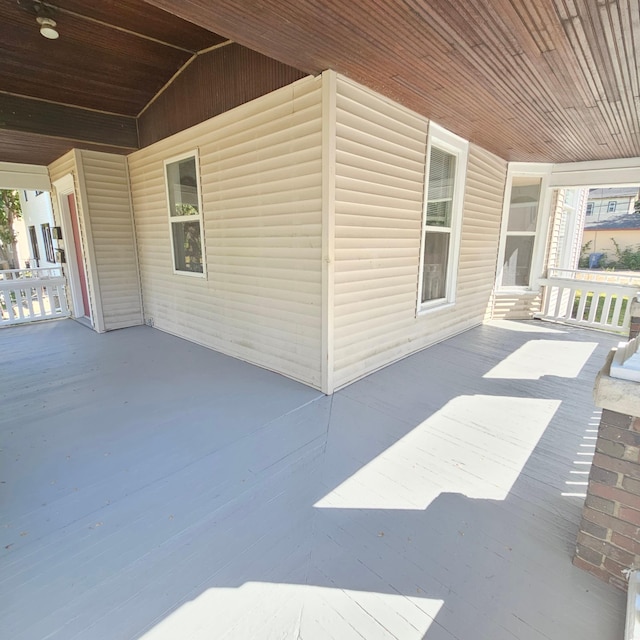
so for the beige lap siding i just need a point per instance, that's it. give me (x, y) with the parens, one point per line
(380, 174)
(108, 205)
(261, 178)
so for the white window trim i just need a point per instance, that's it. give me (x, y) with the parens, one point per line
(443, 139)
(183, 156)
(526, 170)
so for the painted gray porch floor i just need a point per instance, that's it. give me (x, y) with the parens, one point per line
(153, 489)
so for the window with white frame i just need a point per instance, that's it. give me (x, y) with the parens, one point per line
(611, 207)
(520, 239)
(185, 214)
(589, 208)
(446, 168)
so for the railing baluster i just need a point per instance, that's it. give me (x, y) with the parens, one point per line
(39, 292)
(606, 308)
(593, 309)
(20, 303)
(62, 300)
(626, 319)
(28, 292)
(584, 295)
(616, 312)
(32, 294)
(558, 300)
(12, 313)
(567, 302)
(601, 297)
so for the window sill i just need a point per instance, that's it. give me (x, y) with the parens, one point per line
(190, 274)
(427, 308)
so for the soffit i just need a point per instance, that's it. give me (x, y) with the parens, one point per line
(552, 80)
(111, 56)
(549, 81)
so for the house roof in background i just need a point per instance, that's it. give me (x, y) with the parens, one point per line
(551, 81)
(613, 192)
(619, 222)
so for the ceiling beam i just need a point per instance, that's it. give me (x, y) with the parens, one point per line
(27, 115)
(35, 148)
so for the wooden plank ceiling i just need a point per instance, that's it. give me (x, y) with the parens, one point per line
(551, 80)
(87, 87)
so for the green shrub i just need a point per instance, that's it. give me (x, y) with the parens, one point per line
(626, 259)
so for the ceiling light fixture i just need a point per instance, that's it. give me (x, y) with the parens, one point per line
(48, 27)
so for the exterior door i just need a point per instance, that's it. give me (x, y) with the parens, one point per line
(78, 251)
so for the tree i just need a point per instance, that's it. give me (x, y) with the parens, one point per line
(9, 212)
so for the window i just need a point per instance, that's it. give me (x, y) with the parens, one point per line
(589, 208)
(48, 242)
(521, 231)
(35, 251)
(611, 207)
(446, 168)
(185, 214)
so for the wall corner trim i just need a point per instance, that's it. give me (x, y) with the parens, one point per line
(329, 91)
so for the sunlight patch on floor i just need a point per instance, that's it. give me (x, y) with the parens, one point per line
(521, 327)
(475, 445)
(271, 611)
(253, 610)
(538, 358)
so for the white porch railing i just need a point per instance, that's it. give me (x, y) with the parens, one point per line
(27, 295)
(596, 299)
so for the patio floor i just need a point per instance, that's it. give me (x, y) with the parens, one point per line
(154, 489)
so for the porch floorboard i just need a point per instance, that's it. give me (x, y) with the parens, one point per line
(154, 489)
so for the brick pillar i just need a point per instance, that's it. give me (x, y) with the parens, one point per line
(609, 537)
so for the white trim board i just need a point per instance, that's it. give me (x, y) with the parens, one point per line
(606, 173)
(24, 176)
(329, 98)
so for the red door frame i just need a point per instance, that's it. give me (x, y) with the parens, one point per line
(73, 214)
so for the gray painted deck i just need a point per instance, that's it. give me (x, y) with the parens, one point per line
(153, 489)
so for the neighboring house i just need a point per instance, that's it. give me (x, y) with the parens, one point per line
(37, 216)
(612, 221)
(606, 204)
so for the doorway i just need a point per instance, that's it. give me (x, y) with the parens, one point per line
(73, 248)
(79, 260)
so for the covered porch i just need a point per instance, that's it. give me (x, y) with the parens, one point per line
(153, 488)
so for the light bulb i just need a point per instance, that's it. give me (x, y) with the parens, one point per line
(48, 28)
